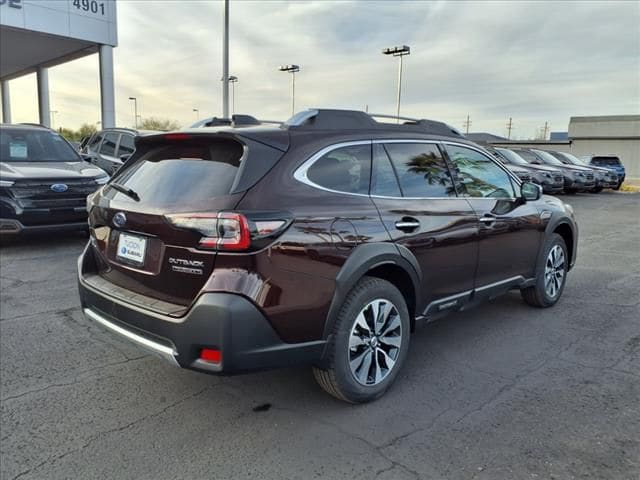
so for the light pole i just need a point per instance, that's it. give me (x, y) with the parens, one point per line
(233, 80)
(225, 61)
(53, 118)
(292, 69)
(197, 113)
(135, 110)
(398, 52)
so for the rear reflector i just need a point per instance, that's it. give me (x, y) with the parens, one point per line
(211, 355)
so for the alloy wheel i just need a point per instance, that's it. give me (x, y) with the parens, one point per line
(374, 342)
(554, 271)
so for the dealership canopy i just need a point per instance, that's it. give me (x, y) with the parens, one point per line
(38, 34)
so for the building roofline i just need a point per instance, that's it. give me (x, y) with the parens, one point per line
(605, 118)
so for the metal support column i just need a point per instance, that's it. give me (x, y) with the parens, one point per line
(6, 102)
(44, 110)
(107, 91)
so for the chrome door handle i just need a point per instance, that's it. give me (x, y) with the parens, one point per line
(488, 218)
(407, 225)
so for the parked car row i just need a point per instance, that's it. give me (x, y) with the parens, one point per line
(559, 172)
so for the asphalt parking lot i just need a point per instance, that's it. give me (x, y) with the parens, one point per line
(502, 391)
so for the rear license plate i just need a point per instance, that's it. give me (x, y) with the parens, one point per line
(131, 248)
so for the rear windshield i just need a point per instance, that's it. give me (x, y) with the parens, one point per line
(181, 173)
(606, 161)
(27, 145)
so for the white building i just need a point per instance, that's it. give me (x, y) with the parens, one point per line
(38, 34)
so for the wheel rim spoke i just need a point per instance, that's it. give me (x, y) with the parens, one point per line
(391, 341)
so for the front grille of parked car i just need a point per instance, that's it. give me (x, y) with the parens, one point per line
(41, 189)
(558, 179)
(589, 177)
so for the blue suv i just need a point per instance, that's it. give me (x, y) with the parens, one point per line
(610, 162)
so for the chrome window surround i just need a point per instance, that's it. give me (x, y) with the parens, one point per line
(301, 172)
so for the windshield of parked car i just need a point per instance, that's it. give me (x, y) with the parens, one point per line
(31, 145)
(512, 157)
(548, 158)
(573, 159)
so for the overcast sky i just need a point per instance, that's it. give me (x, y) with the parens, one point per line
(533, 61)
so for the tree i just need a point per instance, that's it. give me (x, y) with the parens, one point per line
(163, 124)
(68, 134)
(85, 130)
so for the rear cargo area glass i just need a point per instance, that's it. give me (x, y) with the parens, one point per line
(181, 173)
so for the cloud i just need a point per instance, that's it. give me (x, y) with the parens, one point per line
(533, 61)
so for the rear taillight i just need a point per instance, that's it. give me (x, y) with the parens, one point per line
(220, 231)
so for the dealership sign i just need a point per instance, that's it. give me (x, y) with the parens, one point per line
(89, 20)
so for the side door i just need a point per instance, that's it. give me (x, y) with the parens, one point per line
(413, 190)
(510, 229)
(93, 146)
(106, 158)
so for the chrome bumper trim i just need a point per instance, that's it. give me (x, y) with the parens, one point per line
(165, 352)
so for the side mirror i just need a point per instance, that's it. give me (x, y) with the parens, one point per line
(530, 191)
(124, 158)
(86, 157)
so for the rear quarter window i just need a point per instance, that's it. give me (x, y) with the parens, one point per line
(345, 169)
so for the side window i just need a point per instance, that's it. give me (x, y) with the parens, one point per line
(421, 170)
(95, 141)
(126, 145)
(479, 175)
(344, 169)
(108, 147)
(384, 182)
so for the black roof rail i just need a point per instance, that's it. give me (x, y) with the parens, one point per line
(330, 119)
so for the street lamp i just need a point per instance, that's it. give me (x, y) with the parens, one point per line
(197, 113)
(398, 52)
(292, 69)
(135, 110)
(233, 80)
(53, 118)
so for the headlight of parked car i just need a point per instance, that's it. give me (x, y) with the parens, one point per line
(102, 180)
(6, 183)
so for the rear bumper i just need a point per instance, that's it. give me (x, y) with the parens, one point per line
(221, 321)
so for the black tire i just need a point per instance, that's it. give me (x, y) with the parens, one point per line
(597, 190)
(537, 295)
(338, 379)
(617, 187)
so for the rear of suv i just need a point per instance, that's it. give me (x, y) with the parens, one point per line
(610, 162)
(320, 242)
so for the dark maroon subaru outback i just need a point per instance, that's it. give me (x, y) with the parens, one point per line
(318, 242)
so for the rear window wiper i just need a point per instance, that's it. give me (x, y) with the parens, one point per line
(126, 190)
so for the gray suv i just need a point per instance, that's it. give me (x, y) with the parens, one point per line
(109, 148)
